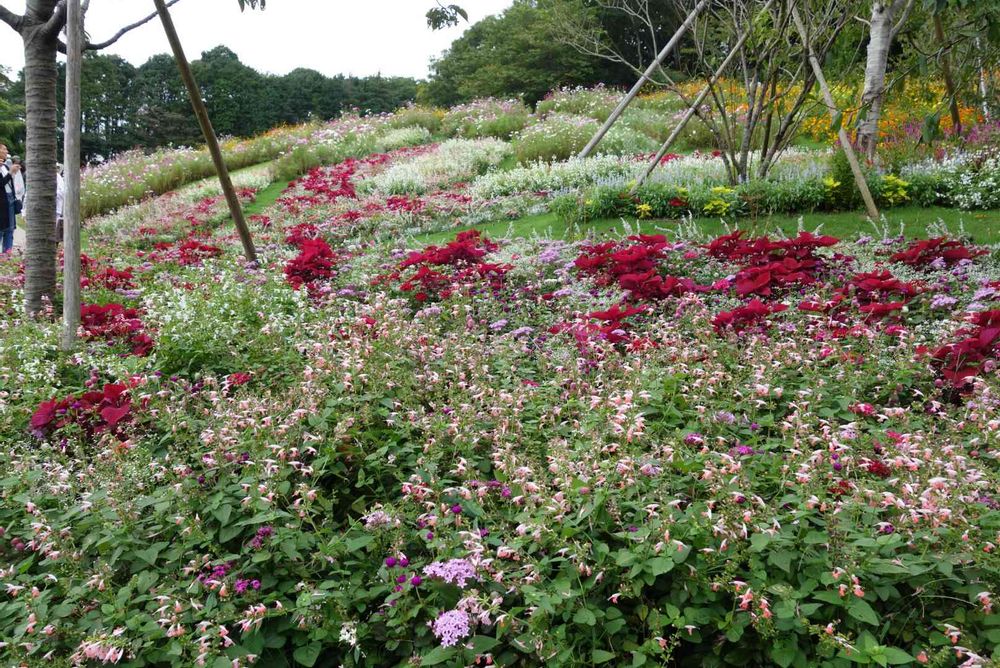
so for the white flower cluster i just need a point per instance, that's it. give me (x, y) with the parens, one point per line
(548, 177)
(454, 160)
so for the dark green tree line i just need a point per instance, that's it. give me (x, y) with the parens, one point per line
(125, 106)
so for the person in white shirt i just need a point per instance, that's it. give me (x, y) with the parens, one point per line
(19, 182)
(60, 202)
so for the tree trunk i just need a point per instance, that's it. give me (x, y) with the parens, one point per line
(949, 82)
(40, 75)
(873, 96)
(71, 203)
(198, 103)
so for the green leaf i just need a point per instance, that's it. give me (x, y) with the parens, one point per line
(897, 657)
(601, 656)
(355, 544)
(837, 122)
(227, 533)
(223, 513)
(862, 611)
(146, 580)
(660, 565)
(782, 560)
(437, 655)
(483, 644)
(584, 616)
(784, 654)
(308, 654)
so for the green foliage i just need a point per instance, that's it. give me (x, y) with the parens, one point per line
(514, 54)
(485, 118)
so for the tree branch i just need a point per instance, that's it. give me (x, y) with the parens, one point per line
(57, 21)
(11, 19)
(902, 19)
(127, 29)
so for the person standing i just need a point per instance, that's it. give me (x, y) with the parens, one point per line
(8, 217)
(19, 185)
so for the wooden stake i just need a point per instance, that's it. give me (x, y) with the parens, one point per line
(194, 93)
(689, 114)
(845, 141)
(664, 52)
(71, 162)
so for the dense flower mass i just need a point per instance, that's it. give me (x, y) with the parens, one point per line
(409, 435)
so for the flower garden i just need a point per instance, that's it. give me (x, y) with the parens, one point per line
(402, 440)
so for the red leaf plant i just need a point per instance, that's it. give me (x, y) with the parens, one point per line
(959, 363)
(746, 317)
(634, 268)
(109, 410)
(115, 324)
(935, 253)
(313, 263)
(464, 255)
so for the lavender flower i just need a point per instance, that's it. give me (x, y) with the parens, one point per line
(451, 626)
(453, 571)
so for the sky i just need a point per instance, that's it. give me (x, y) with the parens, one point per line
(359, 37)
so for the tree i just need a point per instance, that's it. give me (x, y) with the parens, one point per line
(11, 115)
(755, 114)
(513, 54)
(887, 19)
(39, 28)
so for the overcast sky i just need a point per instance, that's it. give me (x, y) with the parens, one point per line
(360, 37)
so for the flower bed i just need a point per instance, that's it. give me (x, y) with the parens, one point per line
(371, 451)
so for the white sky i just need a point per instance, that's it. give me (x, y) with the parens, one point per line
(360, 37)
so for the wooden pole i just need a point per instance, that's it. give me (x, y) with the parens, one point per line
(194, 92)
(845, 141)
(689, 114)
(664, 52)
(71, 161)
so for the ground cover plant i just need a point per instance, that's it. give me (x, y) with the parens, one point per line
(696, 449)
(409, 437)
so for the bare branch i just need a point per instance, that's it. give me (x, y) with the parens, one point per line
(11, 19)
(902, 19)
(124, 31)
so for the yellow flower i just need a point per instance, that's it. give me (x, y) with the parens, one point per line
(644, 211)
(831, 183)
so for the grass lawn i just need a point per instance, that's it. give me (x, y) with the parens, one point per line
(983, 227)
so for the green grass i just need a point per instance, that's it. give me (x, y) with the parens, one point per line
(266, 197)
(983, 227)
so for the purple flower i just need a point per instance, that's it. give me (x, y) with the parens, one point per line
(453, 571)
(416, 580)
(390, 562)
(451, 626)
(456, 509)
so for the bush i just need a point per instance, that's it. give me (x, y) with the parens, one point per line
(485, 118)
(412, 115)
(596, 103)
(561, 136)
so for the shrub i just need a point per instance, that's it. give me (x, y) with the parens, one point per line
(485, 118)
(561, 136)
(413, 115)
(596, 103)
